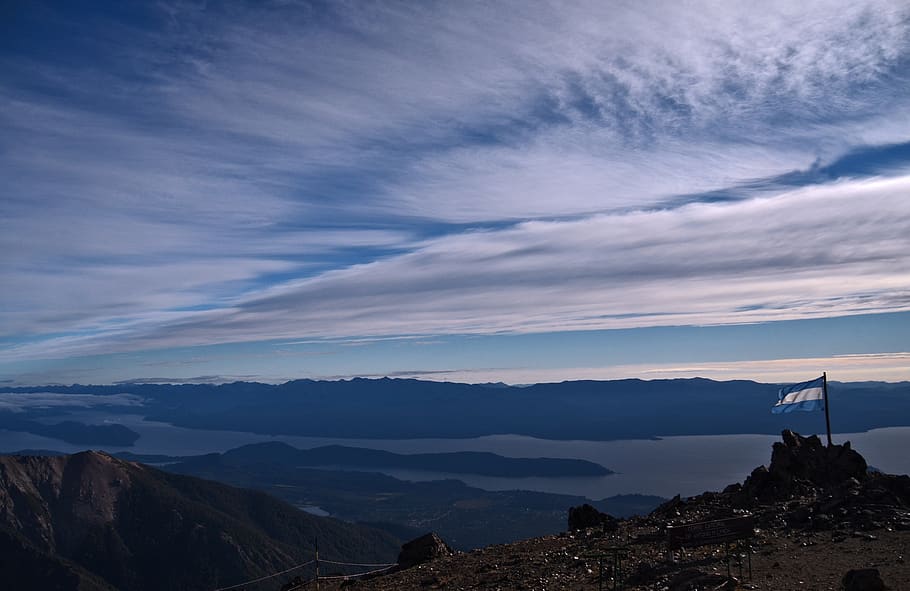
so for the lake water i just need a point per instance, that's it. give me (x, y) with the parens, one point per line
(686, 465)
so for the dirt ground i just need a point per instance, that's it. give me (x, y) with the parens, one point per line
(782, 559)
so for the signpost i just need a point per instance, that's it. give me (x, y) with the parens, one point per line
(720, 531)
(710, 532)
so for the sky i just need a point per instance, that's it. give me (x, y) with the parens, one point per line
(473, 191)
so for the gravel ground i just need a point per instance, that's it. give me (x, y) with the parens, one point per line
(782, 560)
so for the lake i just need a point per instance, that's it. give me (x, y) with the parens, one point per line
(667, 466)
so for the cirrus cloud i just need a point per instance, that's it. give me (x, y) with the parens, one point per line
(202, 174)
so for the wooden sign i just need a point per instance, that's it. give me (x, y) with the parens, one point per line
(710, 532)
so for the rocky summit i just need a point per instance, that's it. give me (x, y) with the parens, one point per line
(802, 465)
(818, 519)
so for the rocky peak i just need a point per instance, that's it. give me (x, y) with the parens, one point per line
(92, 482)
(800, 465)
(806, 458)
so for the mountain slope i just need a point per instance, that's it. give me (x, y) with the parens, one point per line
(26, 567)
(141, 529)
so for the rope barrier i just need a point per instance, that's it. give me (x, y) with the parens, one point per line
(337, 577)
(272, 576)
(378, 570)
(384, 564)
(383, 567)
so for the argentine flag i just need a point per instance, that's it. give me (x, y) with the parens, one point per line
(803, 396)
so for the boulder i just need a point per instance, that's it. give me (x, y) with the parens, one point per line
(864, 579)
(888, 489)
(586, 516)
(669, 509)
(423, 549)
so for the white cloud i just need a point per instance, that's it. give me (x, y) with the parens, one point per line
(803, 254)
(569, 178)
(589, 106)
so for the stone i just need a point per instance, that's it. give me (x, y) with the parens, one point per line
(670, 508)
(423, 549)
(586, 516)
(864, 579)
(822, 522)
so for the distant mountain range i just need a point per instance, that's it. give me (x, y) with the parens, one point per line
(464, 462)
(96, 523)
(592, 410)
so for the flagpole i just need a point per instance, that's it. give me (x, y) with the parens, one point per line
(827, 416)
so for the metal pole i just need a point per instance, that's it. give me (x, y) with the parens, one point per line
(619, 582)
(317, 564)
(615, 570)
(827, 416)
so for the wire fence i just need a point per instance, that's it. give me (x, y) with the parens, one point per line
(265, 578)
(375, 568)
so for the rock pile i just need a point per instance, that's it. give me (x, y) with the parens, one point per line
(423, 549)
(807, 485)
(810, 492)
(586, 516)
(801, 465)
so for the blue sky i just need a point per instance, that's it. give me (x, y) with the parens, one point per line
(475, 191)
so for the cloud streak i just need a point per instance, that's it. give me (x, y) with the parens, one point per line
(800, 254)
(808, 253)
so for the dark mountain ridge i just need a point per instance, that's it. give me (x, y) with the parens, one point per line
(99, 522)
(465, 462)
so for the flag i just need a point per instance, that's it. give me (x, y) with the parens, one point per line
(803, 396)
